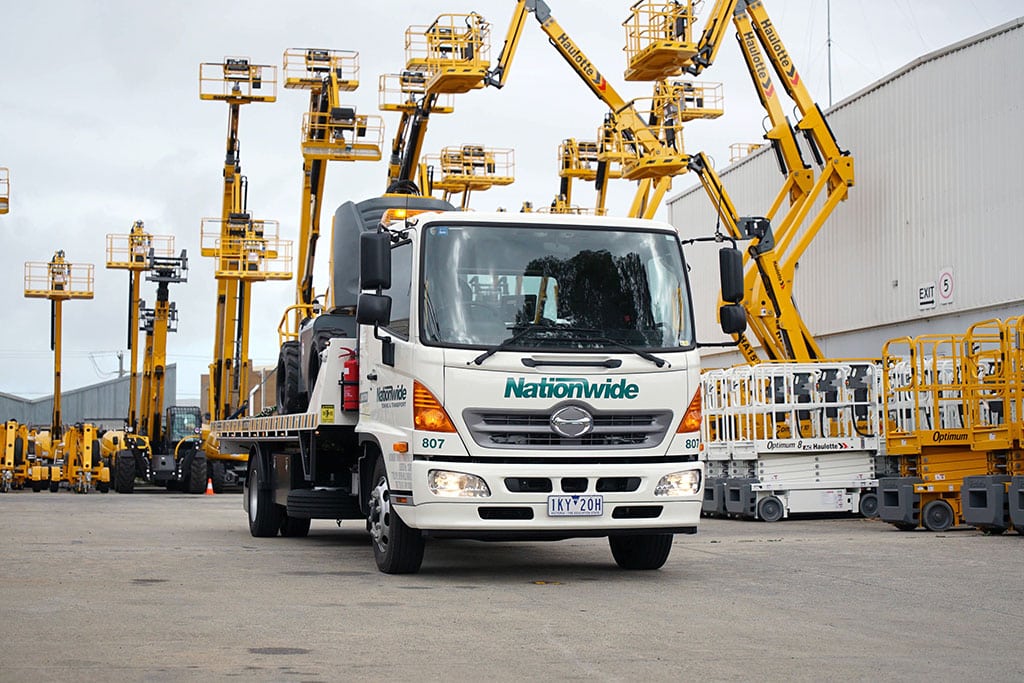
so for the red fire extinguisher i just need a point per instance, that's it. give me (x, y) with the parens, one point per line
(350, 383)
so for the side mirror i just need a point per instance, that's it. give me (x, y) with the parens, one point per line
(374, 260)
(373, 309)
(730, 267)
(733, 318)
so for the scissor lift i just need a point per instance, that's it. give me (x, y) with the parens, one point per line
(994, 350)
(927, 431)
(787, 438)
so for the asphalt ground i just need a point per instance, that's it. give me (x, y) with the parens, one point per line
(160, 586)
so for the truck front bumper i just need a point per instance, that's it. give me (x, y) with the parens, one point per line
(524, 514)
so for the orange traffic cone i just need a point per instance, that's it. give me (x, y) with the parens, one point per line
(209, 487)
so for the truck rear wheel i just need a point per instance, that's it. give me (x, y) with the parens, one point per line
(397, 549)
(646, 551)
(264, 515)
(124, 472)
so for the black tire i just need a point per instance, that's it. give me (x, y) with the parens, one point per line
(645, 551)
(124, 472)
(216, 472)
(770, 509)
(54, 486)
(905, 526)
(869, 505)
(397, 549)
(294, 527)
(37, 486)
(197, 473)
(19, 451)
(289, 398)
(103, 486)
(265, 516)
(938, 516)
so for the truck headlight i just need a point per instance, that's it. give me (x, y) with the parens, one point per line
(685, 483)
(456, 484)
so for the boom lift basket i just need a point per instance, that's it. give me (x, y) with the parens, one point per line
(5, 190)
(238, 81)
(403, 93)
(308, 68)
(690, 99)
(246, 249)
(454, 52)
(472, 167)
(740, 150)
(578, 159)
(658, 39)
(59, 280)
(342, 135)
(666, 161)
(131, 251)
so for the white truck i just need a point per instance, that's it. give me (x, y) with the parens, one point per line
(502, 376)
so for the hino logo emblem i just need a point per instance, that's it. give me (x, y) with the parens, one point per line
(572, 422)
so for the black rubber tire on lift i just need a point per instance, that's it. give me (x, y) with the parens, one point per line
(265, 516)
(397, 549)
(54, 486)
(641, 551)
(197, 472)
(869, 505)
(770, 509)
(124, 472)
(19, 451)
(289, 398)
(37, 486)
(938, 516)
(217, 470)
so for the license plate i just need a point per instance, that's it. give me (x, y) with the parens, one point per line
(575, 506)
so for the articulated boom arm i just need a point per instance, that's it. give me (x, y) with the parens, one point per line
(717, 23)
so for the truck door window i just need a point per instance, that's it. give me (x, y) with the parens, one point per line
(400, 292)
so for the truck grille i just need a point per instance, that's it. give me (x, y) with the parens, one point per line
(533, 430)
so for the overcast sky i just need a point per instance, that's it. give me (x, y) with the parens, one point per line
(102, 125)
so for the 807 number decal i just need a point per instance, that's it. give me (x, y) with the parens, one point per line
(432, 443)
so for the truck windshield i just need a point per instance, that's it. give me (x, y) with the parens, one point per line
(594, 288)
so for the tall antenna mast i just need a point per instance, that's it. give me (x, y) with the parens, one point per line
(828, 43)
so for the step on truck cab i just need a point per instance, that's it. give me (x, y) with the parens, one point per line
(490, 376)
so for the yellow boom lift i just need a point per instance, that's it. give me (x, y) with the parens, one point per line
(774, 252)
(147, 447)
(75, 451)
(15, 457)
(331, 131)
(245, 250)
(468, 168)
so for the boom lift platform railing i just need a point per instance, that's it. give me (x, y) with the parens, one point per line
(5, 190)
(461, 170)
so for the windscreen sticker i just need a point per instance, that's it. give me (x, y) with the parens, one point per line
(570, 387)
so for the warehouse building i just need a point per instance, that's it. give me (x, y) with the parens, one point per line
(928, 240)
(104, 404)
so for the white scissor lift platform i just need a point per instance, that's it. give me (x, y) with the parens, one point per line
(789, 438)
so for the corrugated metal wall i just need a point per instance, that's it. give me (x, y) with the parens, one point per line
(938, 148)
(103, 404)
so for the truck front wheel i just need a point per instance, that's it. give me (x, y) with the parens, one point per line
(397, 549)
(646, 551)
(264, 515)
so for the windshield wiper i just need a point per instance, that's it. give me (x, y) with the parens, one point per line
(517, 337)
(534, 329)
